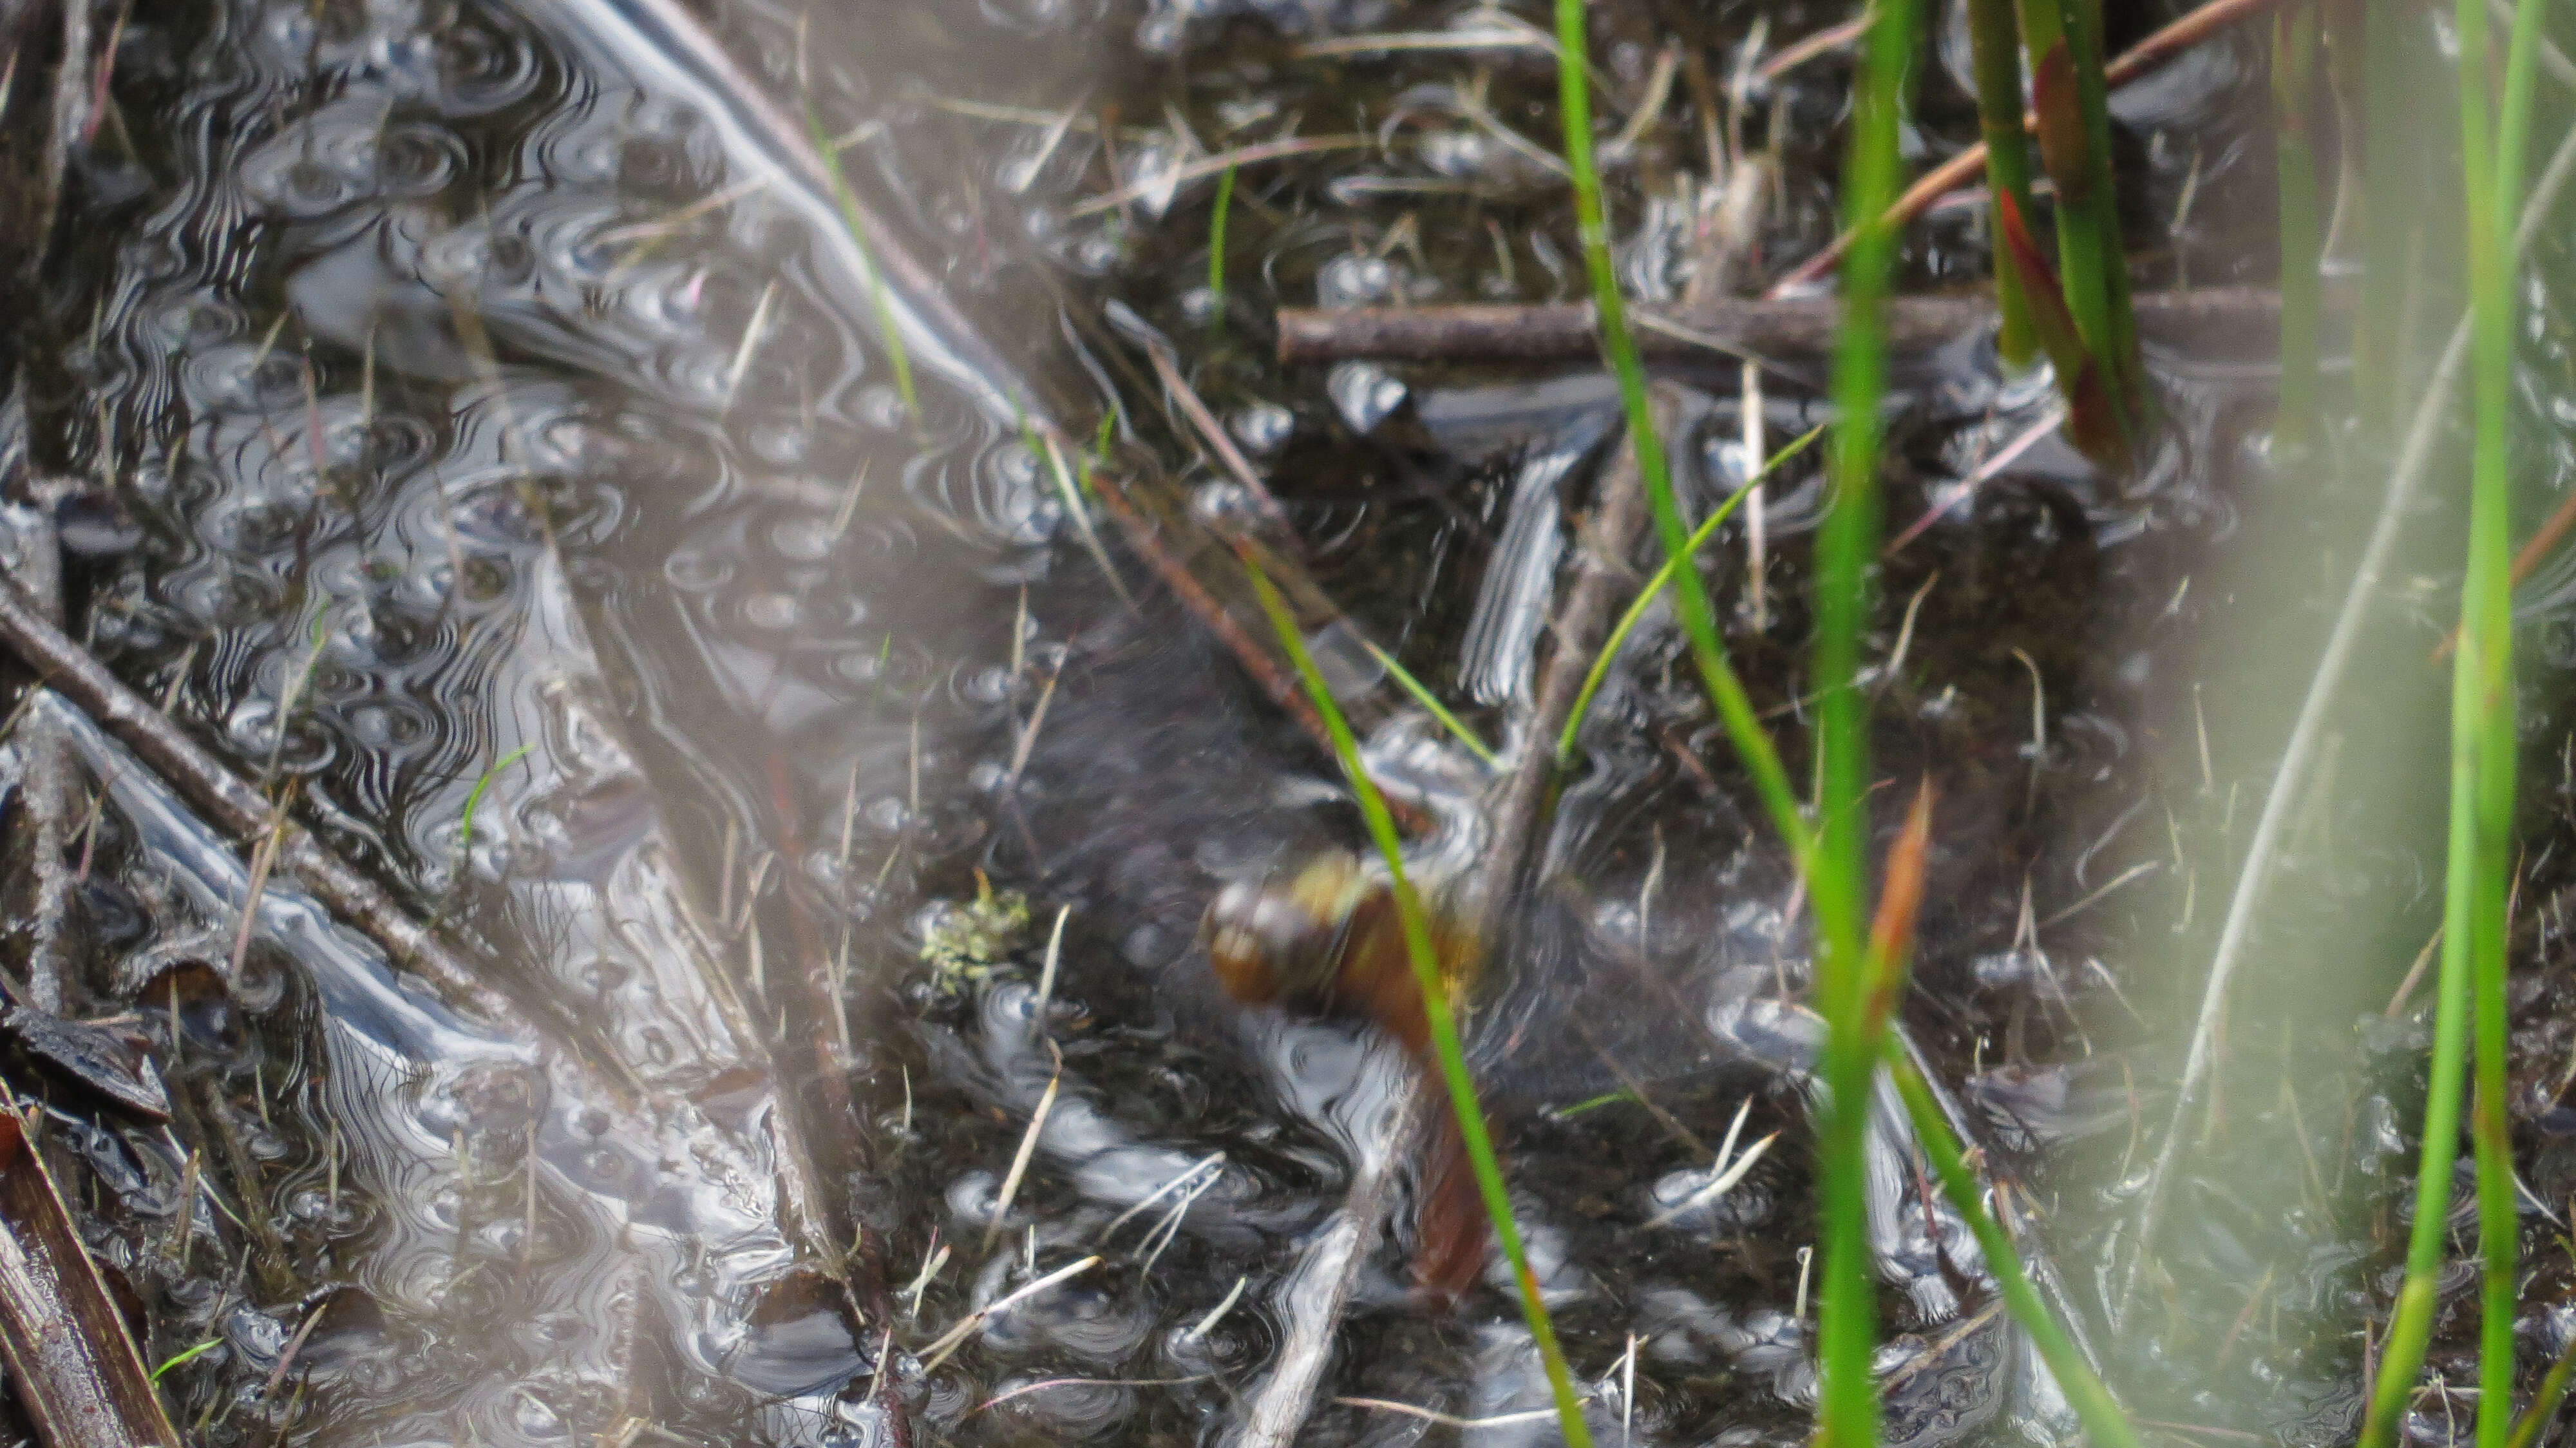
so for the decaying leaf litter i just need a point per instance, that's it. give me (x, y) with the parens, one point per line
(393, 454)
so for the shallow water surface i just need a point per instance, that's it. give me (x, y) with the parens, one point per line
(509, 465)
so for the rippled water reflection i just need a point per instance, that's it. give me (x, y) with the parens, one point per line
(502, 419)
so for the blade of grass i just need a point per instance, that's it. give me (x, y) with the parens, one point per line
(2472, 977)
(474, 796)
(1646, 596)
(1422, 695)
(2092, 419)
(186, 1355)
(2088, 250)
(887, 332)
(1435, 1008)
(2102, 1419)
(1846, 547)
(2544, 1404)
(1216, 250)
(2294, 94)
(2093, 94)
(1699, 617)
(1994, 42)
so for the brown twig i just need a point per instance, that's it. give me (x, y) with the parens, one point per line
(1780, 330)
(72, 1364)
(2138, 60)
(232, 805)
(51, 801)
(1517, 812)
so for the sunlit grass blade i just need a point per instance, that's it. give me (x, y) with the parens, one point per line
(186, 1355)
(1646, 596)
(1216, 250)
(474, 796)
(2294, 94)
(887, 332)
(1994, 40)
(2470, 1000)
(2102, 1419)
(1846, 548)
(1422, 695)
(2544, 1404)
(1435, 1008)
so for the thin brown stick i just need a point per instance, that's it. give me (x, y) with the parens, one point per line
(2141, 59)
(50, 799)
(230, 803)
(1517, 811)
(1786, 330)
(1214, 434)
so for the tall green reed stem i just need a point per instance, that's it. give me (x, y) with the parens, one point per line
(1435, 1007)
(1845, 548)
(2395, 129)
(2294, 94)
(1995, 44)
(2472, 980)
(1699, 618)
(1832, 859)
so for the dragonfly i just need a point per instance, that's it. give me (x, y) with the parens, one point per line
(1324, 937)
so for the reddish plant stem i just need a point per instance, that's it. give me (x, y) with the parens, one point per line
(2138, 60)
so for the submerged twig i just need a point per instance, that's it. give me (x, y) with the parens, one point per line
(49, 799)
(72, 1365)
(232, 805)
(1777, 330)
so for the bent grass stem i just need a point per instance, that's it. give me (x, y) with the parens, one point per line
(1435, 1009)
(1655, 586)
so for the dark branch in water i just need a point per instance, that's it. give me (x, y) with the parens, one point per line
(1518, 811)
(232, 805)
(71, 1362)
(1792, 330)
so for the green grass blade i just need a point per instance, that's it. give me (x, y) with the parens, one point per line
(1994, 42)
(2472, 981)
(2487, 615)
(1846, 548)
(1646, 596)
(474, 796)
(1422, 695)
(2074, 146)
(2092, 1402)
(2397, 127)
(1435, 1006)
(187, 1355)
(887, 332)
(2544, 1404)
(1216, 250)
(2294, 94)
(1699, 617)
